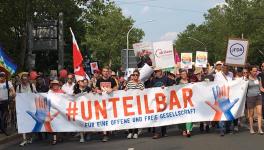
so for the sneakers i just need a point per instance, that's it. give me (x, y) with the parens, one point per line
(105, 139)
(156, 136)
(82, 140)
(23, 143)
(129, 136)
(236, 129)
(222, 133)
(135, 136)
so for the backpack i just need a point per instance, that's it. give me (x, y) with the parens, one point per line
(31, 88)
(7, 87)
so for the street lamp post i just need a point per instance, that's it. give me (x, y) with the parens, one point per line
(205, 49)
(128, 39)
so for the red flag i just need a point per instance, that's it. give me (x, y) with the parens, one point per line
(77, 57)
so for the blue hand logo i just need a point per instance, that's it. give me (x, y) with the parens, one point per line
(42, 114)
(222, 102)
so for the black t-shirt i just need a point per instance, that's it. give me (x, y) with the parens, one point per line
(102, 84)
(77, 90)
(163, 81)
(261, 77)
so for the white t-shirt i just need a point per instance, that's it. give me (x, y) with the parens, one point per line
(220, 77)
(26, 89)
(67, 88)
(3, 90)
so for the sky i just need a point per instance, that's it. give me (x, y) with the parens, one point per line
(170, 17)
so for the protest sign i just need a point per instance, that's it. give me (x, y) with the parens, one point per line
(201, 59)
(144, 53)
(145, 73)
(130, 109)
(164, 56)
(94, 66)
(237, 51)
(186, 60)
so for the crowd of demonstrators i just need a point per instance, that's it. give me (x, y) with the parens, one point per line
(107, 81)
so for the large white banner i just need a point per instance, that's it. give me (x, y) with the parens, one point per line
(152, 107)
(236, 53)
(164, 56)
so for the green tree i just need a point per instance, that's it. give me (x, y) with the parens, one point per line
(14, 15)
(232, 20)
(106, 29)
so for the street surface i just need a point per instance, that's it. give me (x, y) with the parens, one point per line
(199, 141)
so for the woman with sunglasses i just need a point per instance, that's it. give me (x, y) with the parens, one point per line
(81, 87)
(134, 84)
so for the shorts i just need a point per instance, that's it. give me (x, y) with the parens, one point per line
(253, 101)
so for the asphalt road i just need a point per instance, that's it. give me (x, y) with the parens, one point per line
(199, 141)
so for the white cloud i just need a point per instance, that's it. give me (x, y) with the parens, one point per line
(169, 36)
(145, 10)
(126, 12)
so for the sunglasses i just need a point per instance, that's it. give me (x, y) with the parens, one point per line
(135, 75)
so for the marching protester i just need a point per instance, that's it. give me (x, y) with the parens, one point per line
(134, 84)
(186, 128)
(7, 94)
(254, 100)
(25, 87)
(261, 77)
(41, 85)
(81, 87)
(68, 86)
(160, 80)
(224, 76)
(108, 85)
(55, 88)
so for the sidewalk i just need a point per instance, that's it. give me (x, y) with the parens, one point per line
(4, 138)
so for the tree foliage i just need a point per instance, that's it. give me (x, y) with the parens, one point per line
(106, 29)
(235, 19)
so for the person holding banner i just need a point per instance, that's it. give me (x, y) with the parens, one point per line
(254, 100)
(185, 127)
(131, 85)
(25, 87)
(81, 87)
(160, 80)
(108, 85)
(55, 88)
(224, 77)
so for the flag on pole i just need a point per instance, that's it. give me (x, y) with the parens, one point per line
(77, 60)
(6, 63)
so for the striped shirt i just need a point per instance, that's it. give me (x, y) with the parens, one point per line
(133, 85)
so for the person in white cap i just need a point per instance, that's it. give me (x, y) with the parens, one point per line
(80, 87)
(68, 86)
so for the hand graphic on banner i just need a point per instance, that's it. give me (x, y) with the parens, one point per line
(42, 114)
(222, 103)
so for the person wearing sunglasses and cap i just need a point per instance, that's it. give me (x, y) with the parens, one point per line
(69, 85)
(81, 87)
(133, 84)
